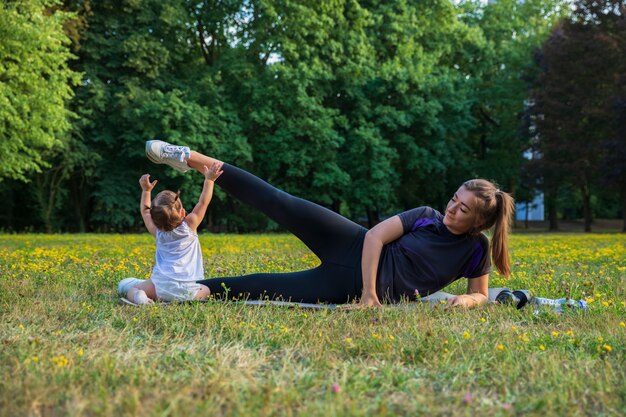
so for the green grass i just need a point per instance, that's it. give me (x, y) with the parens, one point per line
(68, 347)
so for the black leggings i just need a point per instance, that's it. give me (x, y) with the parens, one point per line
(337, 241)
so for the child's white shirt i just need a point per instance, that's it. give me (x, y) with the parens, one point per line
(178, 263)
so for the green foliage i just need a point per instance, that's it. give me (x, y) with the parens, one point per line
(367, 107)
(35, 84)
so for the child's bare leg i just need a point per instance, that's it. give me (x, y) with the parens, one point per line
(203, 293)
(143, 293)
(197, 161)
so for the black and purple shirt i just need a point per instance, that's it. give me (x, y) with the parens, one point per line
(428, 257)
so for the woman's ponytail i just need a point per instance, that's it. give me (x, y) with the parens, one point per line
(496, 211)
(505, 207)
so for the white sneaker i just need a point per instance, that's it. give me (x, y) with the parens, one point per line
(161, 152)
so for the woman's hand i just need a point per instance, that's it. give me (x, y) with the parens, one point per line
(457, 301)
(145, 183)
(369, 299)
(467, 301)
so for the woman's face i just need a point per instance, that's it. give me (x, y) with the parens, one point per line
(461, 212)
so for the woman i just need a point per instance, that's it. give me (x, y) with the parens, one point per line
(409, 255)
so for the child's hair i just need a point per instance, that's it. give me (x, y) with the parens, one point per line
(496, 211)
(165, 210)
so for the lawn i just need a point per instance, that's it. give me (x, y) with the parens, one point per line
(69, 347)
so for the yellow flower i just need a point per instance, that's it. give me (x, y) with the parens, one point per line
(80, 352)
(607, 348)
(555, 334)
(466, 335)
(60, 361)
(391, 338)
(500, 347)
(622, 324)
(604, 303)
(542, 347)
(569, 333)
(482, 319)
(590, 300)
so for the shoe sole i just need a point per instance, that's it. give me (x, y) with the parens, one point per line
(149, 152)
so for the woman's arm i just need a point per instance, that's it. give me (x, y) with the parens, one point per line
(378, 236)
(477, 293)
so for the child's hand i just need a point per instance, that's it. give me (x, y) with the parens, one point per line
(213, 172)
(145, 183)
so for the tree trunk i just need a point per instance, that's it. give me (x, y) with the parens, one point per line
(526, 217)
(551, 203)
(586, 194)
(77, 197)
(372, 218)
(624, 210)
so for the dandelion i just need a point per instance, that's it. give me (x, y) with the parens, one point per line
(555, 334)
(607, 348)
(569, 333)
(482, 319)
(622, 324)
(60, 361)
(466, 335)
(80, 352)
(500, 347)
(542, 347)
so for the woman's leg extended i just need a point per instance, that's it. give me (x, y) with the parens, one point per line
(330, 284)
(328, 234)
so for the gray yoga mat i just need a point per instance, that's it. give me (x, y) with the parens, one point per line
(432, 299)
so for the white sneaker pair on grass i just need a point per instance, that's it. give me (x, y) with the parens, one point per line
(161, 152)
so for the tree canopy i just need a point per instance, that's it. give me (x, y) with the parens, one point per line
(365, 106)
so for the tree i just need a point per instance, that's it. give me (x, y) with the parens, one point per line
(35, 85)
(579, 65)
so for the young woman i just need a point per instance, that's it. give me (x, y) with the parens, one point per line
(409, 255)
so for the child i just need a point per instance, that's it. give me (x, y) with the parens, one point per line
(178, 256)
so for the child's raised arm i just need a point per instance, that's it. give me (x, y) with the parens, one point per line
(197, 214)
(144, 203)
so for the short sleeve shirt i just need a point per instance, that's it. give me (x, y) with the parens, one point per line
(428, 257)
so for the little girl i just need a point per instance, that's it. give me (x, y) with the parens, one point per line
(178, 256)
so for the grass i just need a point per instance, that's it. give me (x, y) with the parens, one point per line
(68, 347)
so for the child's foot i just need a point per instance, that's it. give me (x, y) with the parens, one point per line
(141, 298)
(161, 152)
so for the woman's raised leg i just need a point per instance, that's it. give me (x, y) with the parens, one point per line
(328, 234)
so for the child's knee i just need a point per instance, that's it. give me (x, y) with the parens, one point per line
(126, 284)
(203, 293)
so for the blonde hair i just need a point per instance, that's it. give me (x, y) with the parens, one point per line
(165, 210)
(495, 209)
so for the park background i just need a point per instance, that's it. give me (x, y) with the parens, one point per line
(366, 107)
